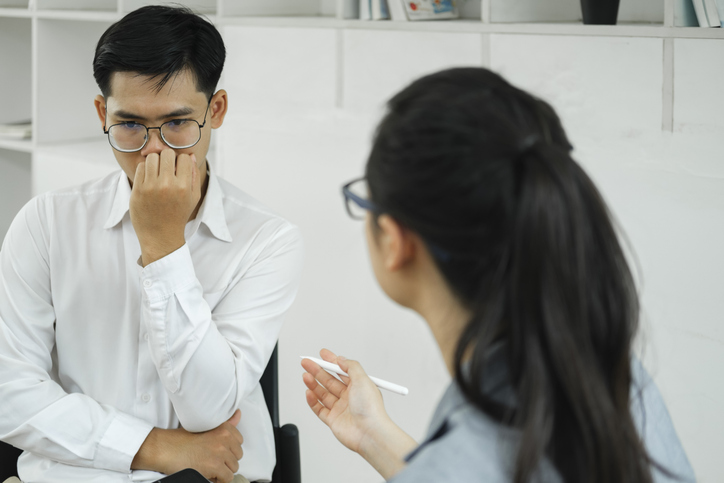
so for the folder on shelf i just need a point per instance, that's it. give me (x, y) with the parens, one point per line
(16, 130)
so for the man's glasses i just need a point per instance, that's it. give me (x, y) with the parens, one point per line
(129, 136)
(355, 199)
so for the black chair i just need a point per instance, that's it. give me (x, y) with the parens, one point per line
(288, 469)
(8, 461)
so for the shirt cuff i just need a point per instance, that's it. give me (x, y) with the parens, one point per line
(121, 442)
(168, 275)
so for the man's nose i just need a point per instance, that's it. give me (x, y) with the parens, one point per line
(155, 144)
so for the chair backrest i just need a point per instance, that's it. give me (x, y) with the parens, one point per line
(270, 386)
(286, 438)
(8, 460)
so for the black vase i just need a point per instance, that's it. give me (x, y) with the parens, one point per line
(600, 12)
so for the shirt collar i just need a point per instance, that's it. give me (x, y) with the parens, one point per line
(211, 213)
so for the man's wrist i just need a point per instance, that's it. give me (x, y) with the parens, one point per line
(153, 251)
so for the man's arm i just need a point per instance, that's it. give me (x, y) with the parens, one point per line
(207, 362)
(37, 414)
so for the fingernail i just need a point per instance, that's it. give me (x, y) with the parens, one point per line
(341, 358)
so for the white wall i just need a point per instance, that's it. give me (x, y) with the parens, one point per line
(304, 103)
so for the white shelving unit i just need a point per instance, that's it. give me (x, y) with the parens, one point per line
(49, 46)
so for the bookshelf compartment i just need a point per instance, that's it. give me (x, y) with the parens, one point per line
(66, 86)
(523, 11)
(13, 4)
(15, 51)
(15, 185)
(276, 8)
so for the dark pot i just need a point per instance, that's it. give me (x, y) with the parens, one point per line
(600, 12)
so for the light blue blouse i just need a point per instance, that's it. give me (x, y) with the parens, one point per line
(465, 445)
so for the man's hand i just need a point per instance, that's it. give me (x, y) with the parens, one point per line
(166, 190)
(215, 454)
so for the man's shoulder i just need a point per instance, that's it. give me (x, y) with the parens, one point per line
(92, 189)
(243, 211)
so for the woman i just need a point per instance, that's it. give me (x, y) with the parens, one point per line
(479, 219)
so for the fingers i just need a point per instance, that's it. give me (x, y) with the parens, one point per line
(321, 393)
(316, 406)
(235, 418)
(140, 174)
(184, 169)
(167, 164)
(330, 356)
(331, 383)
(152, 162)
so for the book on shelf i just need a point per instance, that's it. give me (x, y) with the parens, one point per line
(707, 13)
(16, 130)
(397, 10)
(348, 9)
(712, 13)
(365, 9)
(379, 10)
(684, 14)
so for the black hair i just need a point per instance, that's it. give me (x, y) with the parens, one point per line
(161, 41)
(483, 172)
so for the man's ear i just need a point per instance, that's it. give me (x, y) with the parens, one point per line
(218, 106)
(397, 244)
(100, 103)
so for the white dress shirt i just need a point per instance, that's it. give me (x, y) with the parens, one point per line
(96, 350)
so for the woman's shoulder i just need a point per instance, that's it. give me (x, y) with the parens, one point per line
(469, 446)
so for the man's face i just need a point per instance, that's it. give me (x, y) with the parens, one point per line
(135, 98)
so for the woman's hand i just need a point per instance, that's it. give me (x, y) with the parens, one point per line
(354, 411)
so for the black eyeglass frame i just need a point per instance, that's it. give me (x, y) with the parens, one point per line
(363, 203)
(160, 132)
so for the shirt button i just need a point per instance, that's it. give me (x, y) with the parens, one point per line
(146, 397)
(147, 283)
(145, 336)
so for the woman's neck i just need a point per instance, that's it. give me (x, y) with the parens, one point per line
(445, 315)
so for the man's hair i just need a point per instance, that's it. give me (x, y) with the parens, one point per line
(161, 42)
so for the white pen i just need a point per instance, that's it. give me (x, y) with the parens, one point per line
(329, 367)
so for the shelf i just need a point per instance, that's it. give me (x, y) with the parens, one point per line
(15, 12)
(468, 26)
(84, 15)
(91, 151)
(23, 145)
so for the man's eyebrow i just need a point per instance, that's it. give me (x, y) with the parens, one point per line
(184, 111)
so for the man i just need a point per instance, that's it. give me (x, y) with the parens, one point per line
(137, 312)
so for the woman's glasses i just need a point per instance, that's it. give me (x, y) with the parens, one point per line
(355, 199)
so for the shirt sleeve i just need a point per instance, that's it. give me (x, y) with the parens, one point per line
(209, 361)
(37, 414)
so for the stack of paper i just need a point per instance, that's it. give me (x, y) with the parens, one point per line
(16, 130)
